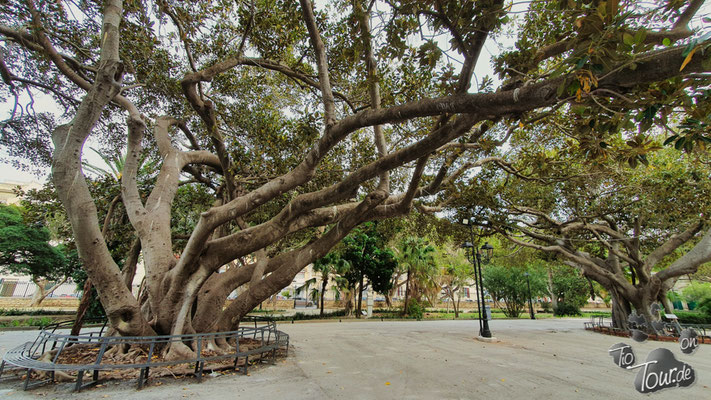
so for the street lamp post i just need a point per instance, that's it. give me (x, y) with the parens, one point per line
(484, 330)
(476, 283)
(488, 249)
(530, 304)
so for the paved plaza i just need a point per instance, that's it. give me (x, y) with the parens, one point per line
(543, 359)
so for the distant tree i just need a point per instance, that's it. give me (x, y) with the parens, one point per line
(455, 272)
(328, 266)
(25, 249)
(568, 288)
(419, 258)
(367, 257)
(508, 286)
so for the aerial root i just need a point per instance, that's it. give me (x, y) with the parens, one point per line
(59, 376)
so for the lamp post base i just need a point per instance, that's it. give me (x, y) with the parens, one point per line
(487, 339)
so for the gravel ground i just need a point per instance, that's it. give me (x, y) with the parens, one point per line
(544, 359)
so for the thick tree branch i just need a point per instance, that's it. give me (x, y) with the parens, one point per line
(27, 41)
(679, 31)
(321, 63)
(671, 244)
(121, 307)
(373, 88)
(689, 262)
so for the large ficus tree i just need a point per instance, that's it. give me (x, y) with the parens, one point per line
(635, 231)
(303, 123)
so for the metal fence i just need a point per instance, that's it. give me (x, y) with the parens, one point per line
(17, 288)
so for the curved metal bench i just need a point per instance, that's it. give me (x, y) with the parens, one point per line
(27, 356)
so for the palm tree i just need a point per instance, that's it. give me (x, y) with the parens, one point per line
(328, 266)
(314, 295)
(115, 163)
(418, 257)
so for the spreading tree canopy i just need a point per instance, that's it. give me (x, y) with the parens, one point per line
(303, 122)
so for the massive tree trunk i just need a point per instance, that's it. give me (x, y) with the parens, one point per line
(121, 307)
(621, 309)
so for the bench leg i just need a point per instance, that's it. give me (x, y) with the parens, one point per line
(27, 380)
(198, 370)
(80, 378)
(143, 377)
(96, 375)
(246, 363)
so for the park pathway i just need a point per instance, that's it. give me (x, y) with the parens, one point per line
(543, 359)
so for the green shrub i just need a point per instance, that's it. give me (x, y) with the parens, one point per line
(15, 312)
(565, 309)
(705, 306)
(696, 292)
(546, 306)
(43, 321)
(673, 296)
(692, 317)
(415, 309)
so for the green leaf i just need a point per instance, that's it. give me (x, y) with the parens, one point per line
(580, 110)
(581, 62)
(689, 47)
(679, 143)
(670, 139)
(640, 36)
(561, 89)
(643, 160)
(628, 39)
(666, 42)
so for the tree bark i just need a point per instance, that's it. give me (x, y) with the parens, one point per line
(359, 305)
(621, 309)
(554, 297)
(324, 283)
(82, 308)
(41, 293)
(407, 293)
